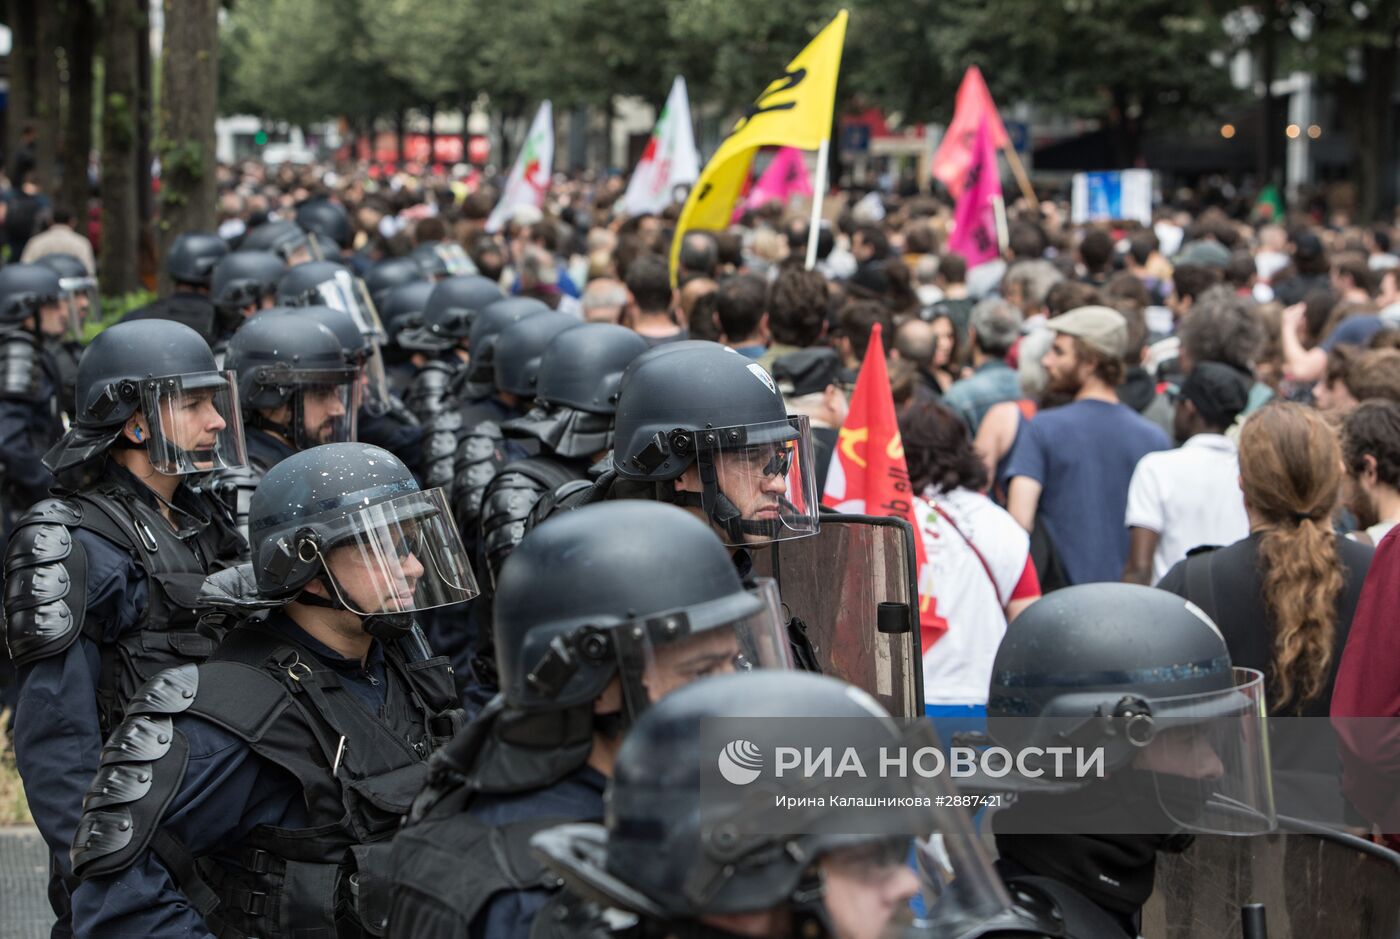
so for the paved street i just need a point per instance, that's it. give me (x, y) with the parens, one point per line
(24, 911)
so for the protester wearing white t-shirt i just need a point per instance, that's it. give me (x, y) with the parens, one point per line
(1181, 499)
(979, 570)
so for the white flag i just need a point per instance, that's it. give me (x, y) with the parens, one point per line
(529, 177)
(669, 160)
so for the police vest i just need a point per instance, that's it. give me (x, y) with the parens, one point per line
(46, 575)
(358, 772)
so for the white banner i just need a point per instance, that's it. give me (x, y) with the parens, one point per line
(669, 160)
(529, 177)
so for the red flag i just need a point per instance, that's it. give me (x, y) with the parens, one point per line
(868, 475)
(954, 156)
(975, 218)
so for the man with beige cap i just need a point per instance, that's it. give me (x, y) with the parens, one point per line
(1070, 469)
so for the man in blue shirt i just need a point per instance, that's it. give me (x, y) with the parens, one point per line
(1071, 467)
(991, 331)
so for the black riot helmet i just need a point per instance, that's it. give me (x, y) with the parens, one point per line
(323, 217)
(673, 855)
(455, 304)
(245, 278)
(351, 517)
(518, 350)
(402, 315)
(596, 593)
(708, 407)
(192, 257)
(165, 371)
(576, 394)
(1129, 669)
(284, 239)
(388, 274)
(77, 288)
(282, 358)
(25, 289)
(328, 283)
(481, 370)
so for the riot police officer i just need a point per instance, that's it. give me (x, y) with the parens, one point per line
(442, 259)
(190, 265)
(575, 393)
(461, 425)
(697, 427)
(278, 769)
(439, 341)
(282, 238)
(101, 581)
(388, 274)
(321, 216)
(402, 314)
(1146, 677)
(714, 869)
(592, 625)
(296, 390)
(79, 293)
(243, 283)
(32, 317)
(384, 420)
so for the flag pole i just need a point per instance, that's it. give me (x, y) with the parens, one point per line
(1019, 172)
(818, 193)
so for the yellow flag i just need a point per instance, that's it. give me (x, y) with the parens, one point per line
(793, 111)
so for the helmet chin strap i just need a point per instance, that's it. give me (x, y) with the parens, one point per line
(385, 627)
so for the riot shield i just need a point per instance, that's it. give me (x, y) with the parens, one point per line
(853, 586)
(1311, 881)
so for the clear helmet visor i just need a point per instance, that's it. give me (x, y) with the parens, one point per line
(399, 556)
(1209, 759)
(663, 653)
(345, 292)
(325, 407)
(758, 481)
(81, 303)
(374, 382)
(193, 424)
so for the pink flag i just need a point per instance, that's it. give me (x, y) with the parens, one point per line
(785, 177)
(955, 152)
(975, 220)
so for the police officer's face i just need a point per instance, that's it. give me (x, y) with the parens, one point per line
(192, 422)
(754, 479)
(865, 887)
(673, 665)
(372, 581)
(322, 408)
(53, 319)
(1181, 751)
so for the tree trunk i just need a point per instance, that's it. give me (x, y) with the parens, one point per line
(400, 130)
(81, 45)
(432, 134)
(185, 146)
(21, 17)
(148, 261)
(47, 116)
(123, 27)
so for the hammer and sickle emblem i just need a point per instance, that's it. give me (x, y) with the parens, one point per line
(789, 81)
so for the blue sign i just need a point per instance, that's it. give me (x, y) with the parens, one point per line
(1020, 134)
(855, 138)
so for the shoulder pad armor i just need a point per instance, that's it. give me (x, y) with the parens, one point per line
(567, 497)
(505, 506)
(45, 581)
(20, 367)
(510, 498)
(479, 457)
(141, 768)
(429, 392)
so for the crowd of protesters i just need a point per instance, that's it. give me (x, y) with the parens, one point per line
(1209, 403)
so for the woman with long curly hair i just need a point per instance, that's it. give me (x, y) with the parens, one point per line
(1284, 596)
